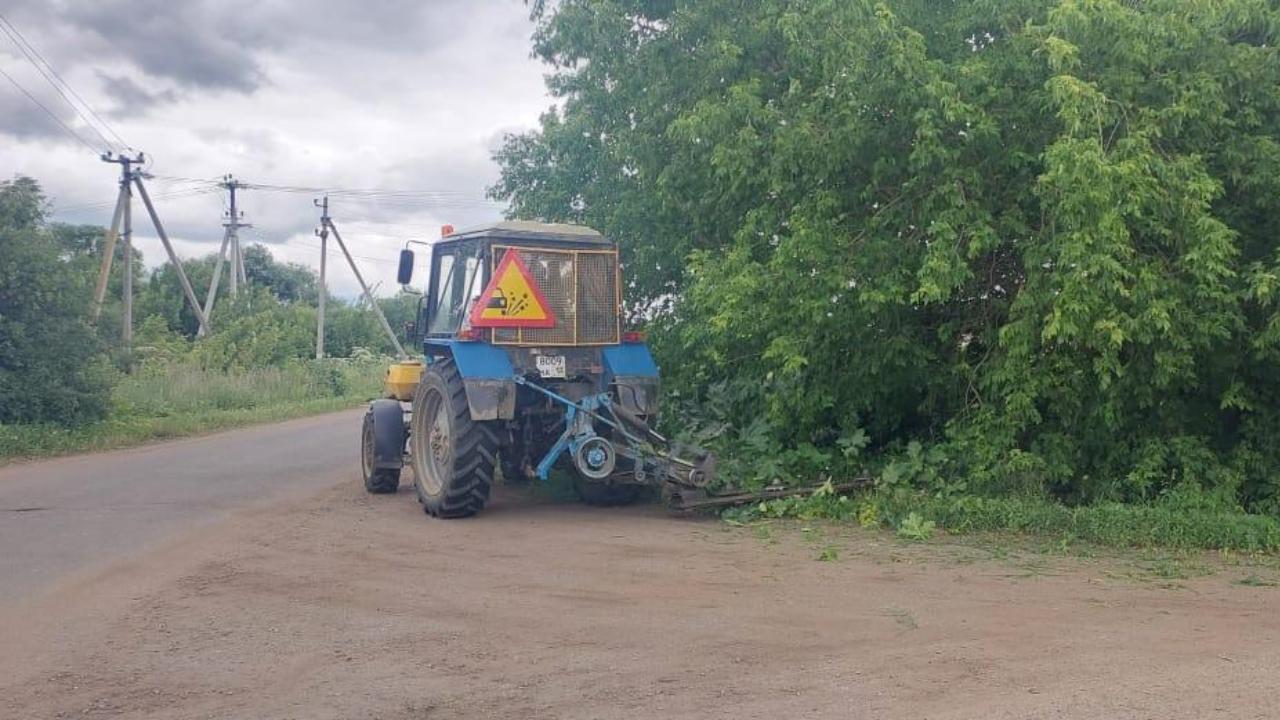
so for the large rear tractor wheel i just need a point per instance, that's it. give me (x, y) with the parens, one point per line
(379, 481)
(452, 455)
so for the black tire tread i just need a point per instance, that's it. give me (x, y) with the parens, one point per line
(383, 482)
(474, 453)
(379, 481)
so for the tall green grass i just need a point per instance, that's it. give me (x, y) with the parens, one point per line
(166, 390)
(1168, 524)
(1110, 524)
(175, 399)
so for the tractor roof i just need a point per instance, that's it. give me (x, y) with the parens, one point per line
(527, 230)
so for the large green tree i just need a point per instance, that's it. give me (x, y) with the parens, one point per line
(51, 364)
(1040, 237)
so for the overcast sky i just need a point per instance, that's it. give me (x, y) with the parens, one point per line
(390, 94)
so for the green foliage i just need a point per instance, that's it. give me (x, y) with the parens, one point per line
(1115, 524)
(170, 399)
(917, 516)
(1028, 248)
(52, 367)
(268, 337)
(167, 389)
(287, 282)
(914, 527)
(1253, 580)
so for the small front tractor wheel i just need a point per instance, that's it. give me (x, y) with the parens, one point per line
(602, 494)
(451, 454)
(379, 481)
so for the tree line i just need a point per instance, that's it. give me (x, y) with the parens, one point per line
(58, 367)
(1000, 247)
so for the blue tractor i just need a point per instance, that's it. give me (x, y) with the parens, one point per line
(526, 366)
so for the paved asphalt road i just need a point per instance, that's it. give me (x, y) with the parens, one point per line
(61, 516)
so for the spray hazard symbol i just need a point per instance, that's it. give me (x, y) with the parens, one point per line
(512, 298)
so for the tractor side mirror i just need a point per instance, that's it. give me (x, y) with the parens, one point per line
(404, 274)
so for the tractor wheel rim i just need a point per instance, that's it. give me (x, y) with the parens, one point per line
(436, 447)
(366, 450)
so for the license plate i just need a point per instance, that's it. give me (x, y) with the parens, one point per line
(551, 366)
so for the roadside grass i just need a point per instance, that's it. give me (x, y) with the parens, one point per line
(177, 400)
(1110, 524)
(917, 517)
(1025, 555)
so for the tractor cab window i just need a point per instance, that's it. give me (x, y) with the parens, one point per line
(458, 283)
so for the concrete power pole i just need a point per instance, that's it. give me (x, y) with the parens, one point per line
(230, 240)
(323, 233)
(131, 179)
(173, 256)
(123, 214)
(327, 227)
(233, 227)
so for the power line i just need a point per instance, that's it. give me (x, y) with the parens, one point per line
(170, 195)
(49, 112)
(28, 50)
(303, 244)
(454, 197)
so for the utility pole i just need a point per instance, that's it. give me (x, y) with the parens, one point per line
(124, 203)
(126, 285)
(230, 239)
(131, 179)
(173, 256)
(217, 274)
(327, 226)
(323, 233)
(233, 227)
(108, 254)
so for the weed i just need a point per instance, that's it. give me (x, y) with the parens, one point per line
(914, 527)
(869, 516)
(829, 553)
(1254, 580)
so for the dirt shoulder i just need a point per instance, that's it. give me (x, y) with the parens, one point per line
(343, 605)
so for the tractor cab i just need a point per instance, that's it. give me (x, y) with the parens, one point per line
(537, 300)
(526, 367)
(570, 298)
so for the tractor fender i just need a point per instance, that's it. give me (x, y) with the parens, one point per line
(630, 369)
(490, 399)
(629, 359)
(388, 434)
(487, 375)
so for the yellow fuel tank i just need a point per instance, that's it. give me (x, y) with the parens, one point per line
(402, 379)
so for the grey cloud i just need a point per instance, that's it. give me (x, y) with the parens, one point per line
(130, 97)
(218, 44)
(21, 119)
(194, 44)
(409, 94)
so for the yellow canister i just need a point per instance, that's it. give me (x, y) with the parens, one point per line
(402, 379)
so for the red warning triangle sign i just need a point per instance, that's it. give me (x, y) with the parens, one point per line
(512, 298)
